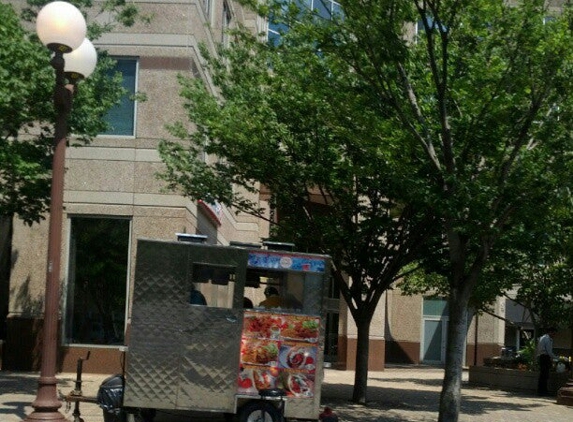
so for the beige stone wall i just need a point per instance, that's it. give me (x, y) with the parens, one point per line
(490, 330)
(115, 175)
(27, 280)
(404, 314)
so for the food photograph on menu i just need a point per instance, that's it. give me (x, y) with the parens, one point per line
(254, 378)
(279, 351)
(299, 356)
(300, 328)
(259, 352)
(262, 325)
(298, 384)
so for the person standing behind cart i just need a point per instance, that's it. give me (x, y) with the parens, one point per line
(196, 297)
(273, 299)
(247, 303)
(545, 358)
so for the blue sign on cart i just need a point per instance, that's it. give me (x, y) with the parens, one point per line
(286, 262)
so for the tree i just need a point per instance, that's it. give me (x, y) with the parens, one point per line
(27, 112)
(23, 94)
(462, 127)
(532, 267)
(543, 278)
(482, 92)
(306, 132)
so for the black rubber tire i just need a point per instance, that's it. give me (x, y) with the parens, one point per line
(137, 415)
(147, 415)
(259, 411)
(112, 417)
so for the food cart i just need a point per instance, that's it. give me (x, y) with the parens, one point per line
(223, 357)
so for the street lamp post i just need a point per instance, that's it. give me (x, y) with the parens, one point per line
(62, 28)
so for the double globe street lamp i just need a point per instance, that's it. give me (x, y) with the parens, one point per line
(62, 28)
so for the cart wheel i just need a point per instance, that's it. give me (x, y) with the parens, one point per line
(260, 411)
(147, 415)
(140, 415)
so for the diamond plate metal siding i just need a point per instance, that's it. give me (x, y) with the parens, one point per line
(152, 373)
(180, 356)
(210, 361)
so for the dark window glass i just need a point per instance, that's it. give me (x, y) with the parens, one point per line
(322, 7)
(121, 118)
(326, 9)
(96, 291)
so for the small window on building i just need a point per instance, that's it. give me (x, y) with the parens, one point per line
(207, 10)
(431, 23)
(322, 7)
(121, 118)
(548, 19)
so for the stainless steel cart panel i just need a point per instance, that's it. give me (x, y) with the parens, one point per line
(181, 356)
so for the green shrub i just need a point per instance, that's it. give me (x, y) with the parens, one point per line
(527, 356)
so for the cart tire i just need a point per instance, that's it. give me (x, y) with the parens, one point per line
(139, 415)
(260, 411)
(114, 417)
(148, 415)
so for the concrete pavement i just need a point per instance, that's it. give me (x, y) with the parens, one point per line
(400, 393)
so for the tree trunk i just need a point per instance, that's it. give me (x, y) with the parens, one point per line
(362, 353)
(450, 398)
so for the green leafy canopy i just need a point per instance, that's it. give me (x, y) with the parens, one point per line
(391, 148)
(27, 112)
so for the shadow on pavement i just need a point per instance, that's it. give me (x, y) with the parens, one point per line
(432, 382)
(18, 385)
(17, 408)
(410, 404)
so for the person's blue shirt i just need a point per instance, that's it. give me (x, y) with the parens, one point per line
(197, 298)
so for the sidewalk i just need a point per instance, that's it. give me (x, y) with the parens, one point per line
(400, 393)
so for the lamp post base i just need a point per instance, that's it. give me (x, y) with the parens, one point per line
(46, 416)
(46, 404)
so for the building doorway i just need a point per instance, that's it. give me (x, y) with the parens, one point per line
(435, 328)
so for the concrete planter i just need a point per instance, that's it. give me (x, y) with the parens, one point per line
(514, 379)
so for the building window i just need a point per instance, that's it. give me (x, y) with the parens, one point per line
(121, 118)
(96, 302)
(548, 19)
(435, 307)
(324, 9)
(207, 6)
(431, 23)
(227, 16)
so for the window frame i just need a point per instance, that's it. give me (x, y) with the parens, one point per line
(66, 337)
(133, 135)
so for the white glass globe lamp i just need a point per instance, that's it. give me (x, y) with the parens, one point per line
(81, 62)
(61, 26)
